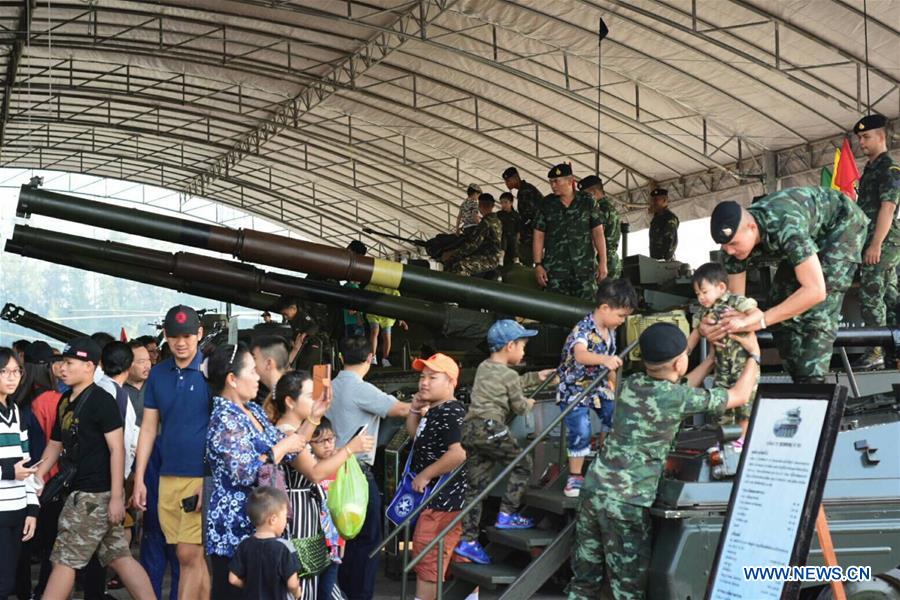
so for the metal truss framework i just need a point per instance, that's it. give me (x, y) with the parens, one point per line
(377, 113)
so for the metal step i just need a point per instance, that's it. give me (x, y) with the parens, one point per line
(522, 539)
(489, 576)
(551, 500)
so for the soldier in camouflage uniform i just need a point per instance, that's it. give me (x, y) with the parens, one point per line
(568, 237)
(528, 203)
(817, 235)
(612, 528)
(663, 226)
(710, 283)
(879, 197)
(498, 391)
(479, 254)
(512, 227)
(609, 264)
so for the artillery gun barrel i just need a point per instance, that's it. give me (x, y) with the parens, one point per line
(325, 261)
(187, 267)
(35, 322)
(140, 274)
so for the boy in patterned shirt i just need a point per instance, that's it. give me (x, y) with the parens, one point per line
(590, 346)
(711, 286)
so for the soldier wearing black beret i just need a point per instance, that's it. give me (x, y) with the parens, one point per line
(609, 264)
(879, 198)
(528, 202)
(663, 226)
(816, 235)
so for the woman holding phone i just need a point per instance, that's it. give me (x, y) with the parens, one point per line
(294, 404)
(18, 517)
(240, 441)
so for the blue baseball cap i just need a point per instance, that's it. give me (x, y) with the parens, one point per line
(505, 331)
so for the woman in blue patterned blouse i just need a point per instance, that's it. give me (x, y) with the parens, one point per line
(240, 440)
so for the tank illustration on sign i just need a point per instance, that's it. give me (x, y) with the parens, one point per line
(787, 427)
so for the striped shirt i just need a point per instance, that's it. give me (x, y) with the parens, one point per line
(14, 494)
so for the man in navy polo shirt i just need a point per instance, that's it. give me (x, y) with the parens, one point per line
(176, 401)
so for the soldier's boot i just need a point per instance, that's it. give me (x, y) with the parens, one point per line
(873, 359)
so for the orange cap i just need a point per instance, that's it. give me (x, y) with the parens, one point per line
(440, 363)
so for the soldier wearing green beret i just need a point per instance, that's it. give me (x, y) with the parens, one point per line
(663, 226)
(816, 235)
(879, 197)
(612, 529)
(567, 238)
(609, 264)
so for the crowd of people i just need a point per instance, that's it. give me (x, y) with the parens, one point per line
(227, 459)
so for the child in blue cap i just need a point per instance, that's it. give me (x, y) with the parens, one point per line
(498, 390)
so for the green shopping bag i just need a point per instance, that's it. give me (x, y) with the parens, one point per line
(348, 498)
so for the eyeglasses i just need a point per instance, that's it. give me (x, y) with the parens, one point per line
(10, 372)
(327, 440)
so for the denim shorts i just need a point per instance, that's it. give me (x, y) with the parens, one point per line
(578, 426)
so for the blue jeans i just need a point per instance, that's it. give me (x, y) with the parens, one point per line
(578, 427)
(327, 581)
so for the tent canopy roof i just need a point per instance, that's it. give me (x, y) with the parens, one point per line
(333, 116)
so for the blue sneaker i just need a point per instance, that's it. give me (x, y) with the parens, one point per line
(473, 551)
(513, 521)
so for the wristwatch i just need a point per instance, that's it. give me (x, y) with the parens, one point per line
(271, 455)
(538, 264)
(762, 321)
(756, 357)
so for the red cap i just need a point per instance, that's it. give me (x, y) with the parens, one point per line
(440, 363)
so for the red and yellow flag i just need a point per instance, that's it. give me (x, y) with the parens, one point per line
(845, 174)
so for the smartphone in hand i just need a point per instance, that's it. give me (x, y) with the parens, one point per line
(320, 374)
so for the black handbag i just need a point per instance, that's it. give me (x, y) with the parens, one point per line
(60, 484)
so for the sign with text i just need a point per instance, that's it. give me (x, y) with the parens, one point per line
(777, 489)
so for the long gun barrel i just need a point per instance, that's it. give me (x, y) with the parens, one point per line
(242, 278)
(20, 316)
(325, 261)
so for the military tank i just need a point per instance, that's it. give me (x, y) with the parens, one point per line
(862, 496)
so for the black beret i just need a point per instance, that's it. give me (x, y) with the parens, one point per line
(510, 172)
(869, 122)
(560, 170)
(661, 342)
(726, 217)
(589, 182)
(357, 247)
(659, 192)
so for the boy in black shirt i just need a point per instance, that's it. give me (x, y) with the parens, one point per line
(265, 564)
(435, 422)
(89, 428)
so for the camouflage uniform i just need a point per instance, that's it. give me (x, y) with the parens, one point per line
(664, 235)
(612, 530)
(498, 390)
(528, 203)
(512, 226)
(612, 232)
(794, 224)
(480, 253)
(570, 258)
(880, 183)
(730, 359)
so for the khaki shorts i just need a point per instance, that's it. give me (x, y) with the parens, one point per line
(178, 526)
(84, 528)
(430, 524)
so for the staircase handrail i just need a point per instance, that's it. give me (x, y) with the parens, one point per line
(439, 539)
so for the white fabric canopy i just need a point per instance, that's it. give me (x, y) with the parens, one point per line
(330, 116)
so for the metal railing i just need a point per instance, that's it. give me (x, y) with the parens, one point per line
(439, 539)
(407, 523)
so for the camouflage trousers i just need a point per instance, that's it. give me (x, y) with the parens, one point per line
(806, 342)
(489, 443)
(613, 265)
(84, 528)
(730, 362)
(566, 282)
(878, 288)
(612, 543)
(474, 265)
